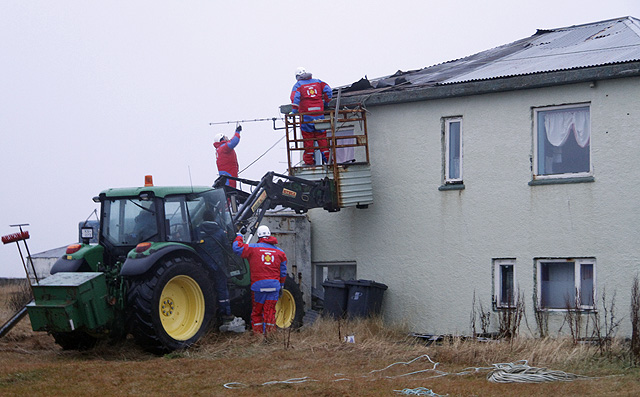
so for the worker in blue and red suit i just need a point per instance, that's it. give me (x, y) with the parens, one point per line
(226, 158)
(311, 95)
(268, 268)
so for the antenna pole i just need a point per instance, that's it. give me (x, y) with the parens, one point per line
(243, 121)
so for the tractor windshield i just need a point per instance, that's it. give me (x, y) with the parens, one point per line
(211, 206)
(129, 221)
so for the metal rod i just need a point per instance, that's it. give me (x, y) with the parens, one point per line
(245, 121)
(24, 265)
(30, 260)
(277, 128)
(335, 114)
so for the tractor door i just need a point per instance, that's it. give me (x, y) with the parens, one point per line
(125, 223)
(213, 230)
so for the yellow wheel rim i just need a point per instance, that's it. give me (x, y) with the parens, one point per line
(181, 307)
(285, 310)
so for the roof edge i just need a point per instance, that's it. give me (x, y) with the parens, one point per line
(619, 19)
(504, 84)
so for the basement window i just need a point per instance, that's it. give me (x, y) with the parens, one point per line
(331, 271)
(562, 142)
(566, 284)
(504, 283)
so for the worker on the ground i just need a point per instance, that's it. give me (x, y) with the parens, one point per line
(268, 268)
(212, 240)
(311, 95)
(226, 158)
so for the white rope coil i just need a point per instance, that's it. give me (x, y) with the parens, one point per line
(518, 372)
(521, 372)
(238, 385)
(418, 391)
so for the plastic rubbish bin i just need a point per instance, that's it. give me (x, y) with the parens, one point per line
(365, 298)
(335, 298)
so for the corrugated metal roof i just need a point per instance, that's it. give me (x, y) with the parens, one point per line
(567, 48)
(594, 44)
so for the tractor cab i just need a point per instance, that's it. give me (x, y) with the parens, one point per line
(130, 217)
(136, 219)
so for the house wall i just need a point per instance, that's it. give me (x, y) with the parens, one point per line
(434, 249)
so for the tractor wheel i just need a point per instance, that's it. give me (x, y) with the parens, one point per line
(74, 340)
(290, 306)
(172, 306)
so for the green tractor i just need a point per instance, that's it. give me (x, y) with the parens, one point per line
(150, 274)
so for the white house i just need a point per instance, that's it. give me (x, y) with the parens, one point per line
(510, 170)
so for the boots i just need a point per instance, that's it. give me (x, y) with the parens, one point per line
(232, 324)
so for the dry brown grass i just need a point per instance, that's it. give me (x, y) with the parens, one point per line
(20, 294)
(31, 364)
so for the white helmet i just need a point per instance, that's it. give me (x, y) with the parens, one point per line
(300, 71)
(263, 231)
(219, 137)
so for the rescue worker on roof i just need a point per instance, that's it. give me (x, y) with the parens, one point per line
(311, 95)
(268, 268)
(226, 158)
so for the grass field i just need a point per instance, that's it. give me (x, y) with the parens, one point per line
(382, 360)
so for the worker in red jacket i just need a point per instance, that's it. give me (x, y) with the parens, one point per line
(311, 95)
(268, 267)
(226, 158)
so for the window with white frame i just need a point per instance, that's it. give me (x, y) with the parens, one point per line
(566, 283)
(504, 282)
(453, 150)
(562, 142)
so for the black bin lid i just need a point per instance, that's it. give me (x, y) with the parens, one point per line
(366, 283)
(334, 283)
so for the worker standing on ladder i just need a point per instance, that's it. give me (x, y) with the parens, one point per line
(311, 95)
(226, 159)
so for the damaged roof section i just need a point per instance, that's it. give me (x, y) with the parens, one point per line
(582, 46)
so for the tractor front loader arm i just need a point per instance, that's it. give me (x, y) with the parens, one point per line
(275, 190)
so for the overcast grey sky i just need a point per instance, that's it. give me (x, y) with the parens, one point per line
(97, 94)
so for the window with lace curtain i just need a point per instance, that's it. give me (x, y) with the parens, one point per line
(562, 142)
